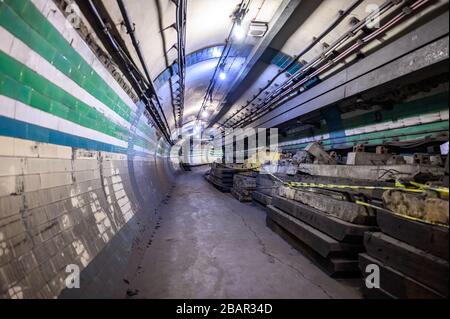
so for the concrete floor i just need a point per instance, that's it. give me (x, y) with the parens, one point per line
(209, 245)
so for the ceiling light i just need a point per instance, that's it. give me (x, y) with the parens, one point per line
(196, 129)
(222, 75)
(239, 32)
(216, 53)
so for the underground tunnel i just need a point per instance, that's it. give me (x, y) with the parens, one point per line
(224, 149)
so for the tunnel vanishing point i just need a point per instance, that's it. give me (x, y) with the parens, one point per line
(224, 149)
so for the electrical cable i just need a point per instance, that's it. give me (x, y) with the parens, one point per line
(355, 46)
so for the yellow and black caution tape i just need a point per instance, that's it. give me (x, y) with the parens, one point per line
(401, 215)
(441, 190)
(420, 188)
(416, 187)
(340, 186)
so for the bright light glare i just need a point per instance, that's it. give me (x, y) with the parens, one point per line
(197, 128)
(239, 32)
(205, 114)
(222, 75)
(217, 52)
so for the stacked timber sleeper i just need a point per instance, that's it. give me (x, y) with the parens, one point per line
(327, 224)
(327, 230)
(221, 176)
(411, 249)
(412, 257)
(266, 187)
(243, 186)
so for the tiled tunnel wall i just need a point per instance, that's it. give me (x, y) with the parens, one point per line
(81, 170)
(415, 120)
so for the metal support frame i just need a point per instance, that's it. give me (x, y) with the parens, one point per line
(341, 16)
(284, 12)
(151, 87)
(238, 16)
(322, 63)
(102, 27)
(412, 54)
(181, 61)
(324, 60)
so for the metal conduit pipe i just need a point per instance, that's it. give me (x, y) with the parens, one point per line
(287, 87)
(118, 52)
(325, 55)
(358, 27)
(162, 28)
(342, 15)
(322, 57)
(288, 93)
(243, 6)
(348, 51)
(131, 33)
(224, 55)
(125, 61)
(181, 42)
(414, 7)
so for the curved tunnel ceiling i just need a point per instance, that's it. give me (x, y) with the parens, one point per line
(209, 23)
(87, 169)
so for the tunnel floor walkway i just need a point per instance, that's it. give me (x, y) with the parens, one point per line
(209, 245)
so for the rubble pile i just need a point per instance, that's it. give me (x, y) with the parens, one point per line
(351, 211)
(243, 186)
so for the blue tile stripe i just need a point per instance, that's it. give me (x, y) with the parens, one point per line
(18, 129)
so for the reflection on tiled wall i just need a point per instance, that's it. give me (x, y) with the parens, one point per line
(71, 177)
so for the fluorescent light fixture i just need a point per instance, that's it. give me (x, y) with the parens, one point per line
(258, 29)
(197, 128)
(239, 32)
(205, 114)
(217, 52)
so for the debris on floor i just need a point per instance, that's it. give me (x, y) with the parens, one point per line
(243, 186)
(422, 206)
(221, 176)
(367, 208)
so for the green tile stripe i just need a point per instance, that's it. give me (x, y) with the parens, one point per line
(151, 139)
(22, 19)
(427, 105)
(414, 132)
(20, 83)
(139, 141)
(144, 128)
(23, 130)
